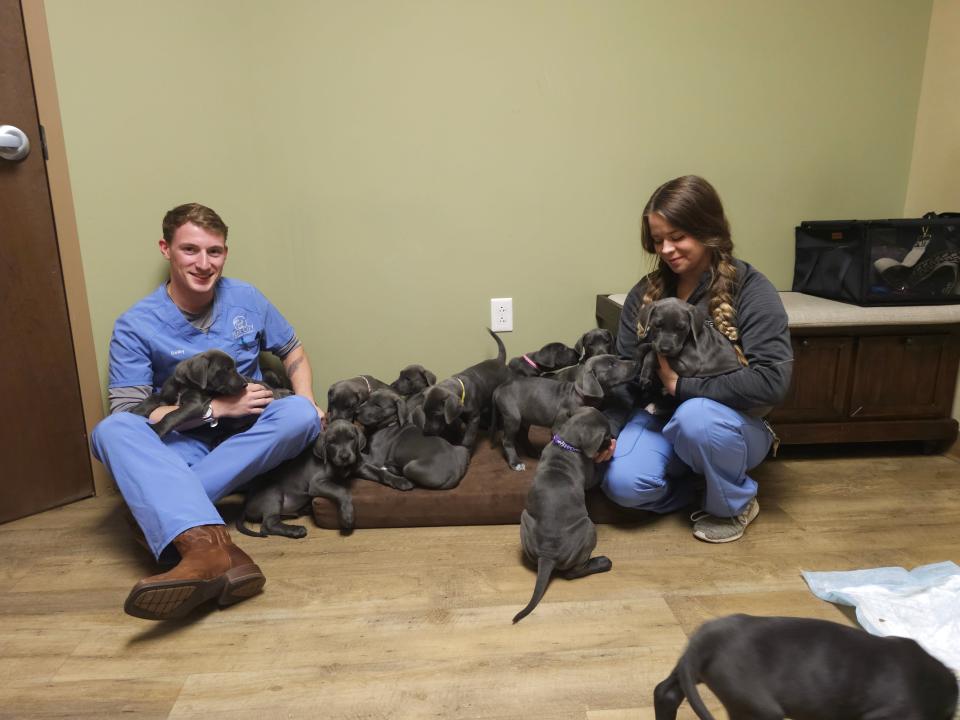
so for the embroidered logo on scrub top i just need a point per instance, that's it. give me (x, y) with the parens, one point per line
(241, 327)
(178, 353)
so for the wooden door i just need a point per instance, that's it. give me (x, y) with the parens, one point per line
(45, 461)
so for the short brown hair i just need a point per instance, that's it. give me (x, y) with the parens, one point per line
(199, 215)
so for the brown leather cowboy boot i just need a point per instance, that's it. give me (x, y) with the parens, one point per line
(211, 567)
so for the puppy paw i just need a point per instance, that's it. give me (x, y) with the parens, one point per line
(395, 481)
(346, 520)
(298, 532)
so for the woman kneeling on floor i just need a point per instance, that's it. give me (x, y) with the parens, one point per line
(716, 432)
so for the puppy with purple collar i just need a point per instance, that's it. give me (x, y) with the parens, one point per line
(556, 533)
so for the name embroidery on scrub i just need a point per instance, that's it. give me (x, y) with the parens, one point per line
(241, 327)
(178, 353)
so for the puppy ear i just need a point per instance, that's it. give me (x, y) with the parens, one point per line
(597, 436)
(320, 447)
(697, 316)
(589, 386)
(451, 409)
(193, 371)
(361, 439)
(401, 411)
(429, 377)
(579, 347)
(417, 417)
(607, 337)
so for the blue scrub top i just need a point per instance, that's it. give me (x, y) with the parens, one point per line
(153, 336)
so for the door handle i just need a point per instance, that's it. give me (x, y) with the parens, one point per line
(14, 144)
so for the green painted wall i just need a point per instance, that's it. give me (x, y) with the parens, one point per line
(387, 167)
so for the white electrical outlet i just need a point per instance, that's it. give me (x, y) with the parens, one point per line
(501, 314)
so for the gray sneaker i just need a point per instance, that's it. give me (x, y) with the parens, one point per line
(712, 529)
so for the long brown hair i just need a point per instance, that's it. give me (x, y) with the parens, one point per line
(691, 204)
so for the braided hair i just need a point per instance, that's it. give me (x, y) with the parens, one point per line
(691, 204)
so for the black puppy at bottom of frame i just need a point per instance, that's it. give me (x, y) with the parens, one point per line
(323, 470)
(768, 668)
(556, 532)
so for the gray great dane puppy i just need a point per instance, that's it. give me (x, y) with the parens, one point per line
(523, 402)
(323, 470)
(679, 331)
(594, 342)
(413, 379)
(551, 357)
(192, 385)
(555, 531)
(397, 446)
(769, 668)
(464, 396)
(345, 396)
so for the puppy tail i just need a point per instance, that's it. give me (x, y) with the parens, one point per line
(544, 571)
(243, 528)
(688, 683)
(502, 350)
(492, 430)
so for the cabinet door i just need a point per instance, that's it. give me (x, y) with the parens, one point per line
(904, 376)
(821, 371)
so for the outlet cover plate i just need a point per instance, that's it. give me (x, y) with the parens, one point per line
(501, 314)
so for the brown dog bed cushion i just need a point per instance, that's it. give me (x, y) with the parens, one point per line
(489, 494)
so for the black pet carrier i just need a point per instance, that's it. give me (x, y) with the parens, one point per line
(880, 262)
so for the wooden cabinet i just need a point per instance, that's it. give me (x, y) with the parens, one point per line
(897, 384)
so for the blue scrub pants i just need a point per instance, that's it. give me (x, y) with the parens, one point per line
(653, 464)
(171, 484)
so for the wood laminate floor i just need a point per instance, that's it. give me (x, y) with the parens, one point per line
(416, 623)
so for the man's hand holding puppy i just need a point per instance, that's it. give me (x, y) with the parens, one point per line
(252, 401)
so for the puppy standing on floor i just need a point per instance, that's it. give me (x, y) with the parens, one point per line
(465, 396)
(769, 668)
(555, 531)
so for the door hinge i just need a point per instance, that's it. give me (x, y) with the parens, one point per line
(43, 144)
